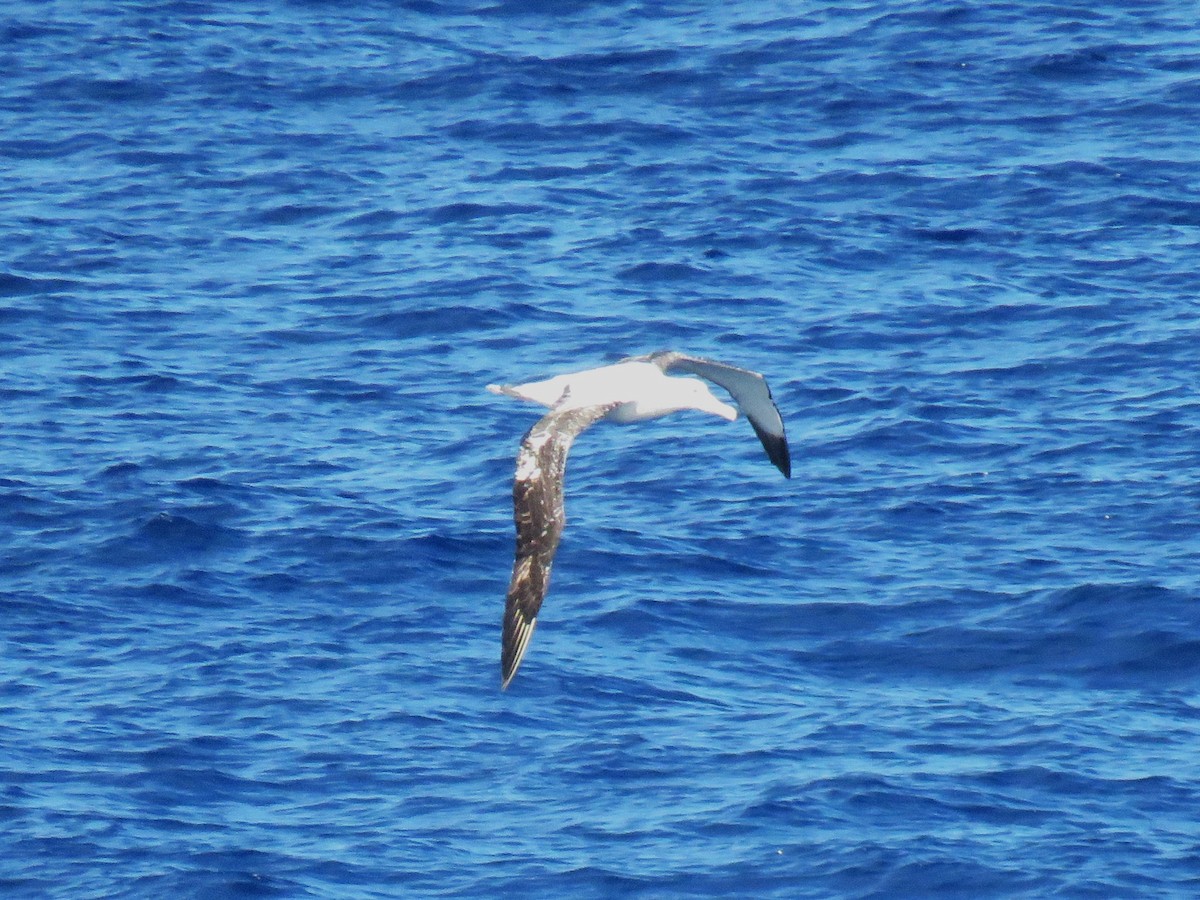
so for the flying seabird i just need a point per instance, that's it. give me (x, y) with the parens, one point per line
(633, 390)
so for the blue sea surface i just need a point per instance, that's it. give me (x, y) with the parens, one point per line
(258, 262)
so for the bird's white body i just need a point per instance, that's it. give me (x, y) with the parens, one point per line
(642, 389)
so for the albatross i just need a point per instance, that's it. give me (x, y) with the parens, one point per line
(632, 390)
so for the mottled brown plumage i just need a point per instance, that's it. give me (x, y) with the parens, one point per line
(539, 515)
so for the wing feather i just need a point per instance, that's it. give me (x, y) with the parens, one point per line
(751, 393)
(539, 516)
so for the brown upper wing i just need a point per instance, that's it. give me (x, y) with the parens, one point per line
(540, 517)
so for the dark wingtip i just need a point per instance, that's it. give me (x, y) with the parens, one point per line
(776, 446)
(507, 673)
(782, 458)
(508, 669)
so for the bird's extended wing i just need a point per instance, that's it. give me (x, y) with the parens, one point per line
(748, 389)
(539, 516)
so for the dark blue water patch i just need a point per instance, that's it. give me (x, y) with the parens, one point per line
(168, 538)
(291, 214)
(370, 221)
(121, 472)
(305, 335)
(948, 235)
(1038, 781)
(374, 558)
(621, 72)
(129, 393)
(160, 159)
(170, 530)
(62, 148)
(161, 594)
(1141, 208)
(658, 272)
(514, 240)
(454, 318)
(234, 873)
(1110, 605)
(449, 83)
(70, 90)
(945, 878)
(242, 88)
(23, 508)
(433, 8)
(16, 31)
(539, 8)
(210, 487)
(12, 285)
(1100, 634)
(1084, 63)
(217, 882)
(996, 317)
(546, 174)
(330, 390)
(910, 435)
(847, 106)
(462, 212)
(279, 583)
(632, 133)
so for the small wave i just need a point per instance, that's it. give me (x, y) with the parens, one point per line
(460, 212)
(20, 285)
(657, 272)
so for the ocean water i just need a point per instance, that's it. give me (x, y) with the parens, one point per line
(258, 262)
